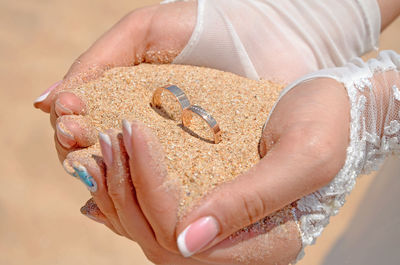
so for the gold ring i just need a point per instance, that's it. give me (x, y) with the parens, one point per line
(212, 123)
(174, 90)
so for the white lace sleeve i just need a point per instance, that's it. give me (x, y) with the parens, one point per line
(245, 36)
(373, 90)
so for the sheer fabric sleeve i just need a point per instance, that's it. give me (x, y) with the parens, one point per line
(373, 90)
(245, 36)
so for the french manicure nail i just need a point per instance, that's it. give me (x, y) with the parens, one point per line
(68, 168)
(60, 109)
(106, 148)
(127, 133)
(46, 93)
(83, 175)
(197, 235)
(65, 138)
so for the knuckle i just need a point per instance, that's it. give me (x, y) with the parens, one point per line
(253, 206)
(165, 234)
(167, 242)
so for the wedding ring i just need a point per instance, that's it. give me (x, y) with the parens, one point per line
(174, 90)
(212, 123)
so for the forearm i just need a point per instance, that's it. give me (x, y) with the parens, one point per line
(390, 10)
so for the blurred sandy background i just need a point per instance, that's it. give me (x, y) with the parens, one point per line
(40, 222)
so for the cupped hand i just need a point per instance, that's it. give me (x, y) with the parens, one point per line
(154, 34)
(303, 147)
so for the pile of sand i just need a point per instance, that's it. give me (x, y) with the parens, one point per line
(239, 105)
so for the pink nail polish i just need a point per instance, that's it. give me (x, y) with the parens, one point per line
(197, 235)
(65, 138)
(127, 133)
(106, 148)
(45, 94)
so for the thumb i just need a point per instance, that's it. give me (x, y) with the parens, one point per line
(290, 170)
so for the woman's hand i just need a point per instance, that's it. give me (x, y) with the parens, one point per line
(303, 147)
(154, 34)
(323, 133)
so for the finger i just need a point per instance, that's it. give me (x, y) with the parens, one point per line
(119, 184)
(157, 197)
(67, 103)
(123, 195)
(62, 152)
(91, 173)
(43, 101)
(93, 212)
(75, 131)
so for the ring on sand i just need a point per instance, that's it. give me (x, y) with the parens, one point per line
(174, 90)
(212, 123)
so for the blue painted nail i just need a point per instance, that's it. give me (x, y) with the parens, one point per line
(83, 175)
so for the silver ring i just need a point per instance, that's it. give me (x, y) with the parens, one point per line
(174, 90)
(212, 123)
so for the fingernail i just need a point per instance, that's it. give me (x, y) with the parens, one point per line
(60, 109)
(83, 175)
(127, 133)
(106, 148)
(197, 235)
(91, 210)
(65, 137)
(68, 168)
(46, 93)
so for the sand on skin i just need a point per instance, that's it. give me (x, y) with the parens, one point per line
(39, 203)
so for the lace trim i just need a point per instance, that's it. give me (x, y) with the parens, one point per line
(320, 205)
(367, 149)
